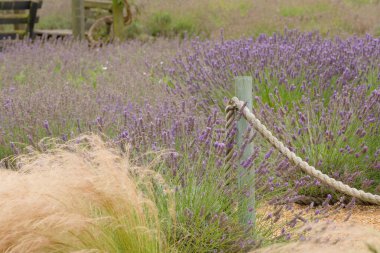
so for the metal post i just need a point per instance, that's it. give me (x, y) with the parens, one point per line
(77, 7)
(243, 91)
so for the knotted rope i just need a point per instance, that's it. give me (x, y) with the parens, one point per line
(235, 104)
(230, 118)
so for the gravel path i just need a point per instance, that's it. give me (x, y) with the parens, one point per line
(360, 234)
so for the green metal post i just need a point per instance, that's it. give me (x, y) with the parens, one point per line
(243, 91)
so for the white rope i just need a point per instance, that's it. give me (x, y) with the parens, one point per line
(310, 170)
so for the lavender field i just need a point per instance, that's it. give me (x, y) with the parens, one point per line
(320, 96)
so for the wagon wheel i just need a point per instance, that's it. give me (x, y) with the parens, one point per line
(101, 31)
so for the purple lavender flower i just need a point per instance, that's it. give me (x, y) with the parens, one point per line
(268, 155)
(47, 127)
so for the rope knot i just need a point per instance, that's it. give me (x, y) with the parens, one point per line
(231, 107)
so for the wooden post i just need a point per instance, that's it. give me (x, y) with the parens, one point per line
(77, 7)
(118, 18)
(243, 91)
(32, 18)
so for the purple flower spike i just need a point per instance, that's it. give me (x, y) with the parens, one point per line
(268, 155)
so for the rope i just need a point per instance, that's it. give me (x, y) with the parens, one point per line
(230, 118)
(236, 104)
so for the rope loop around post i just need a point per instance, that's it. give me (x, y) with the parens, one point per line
(230, 119)
(236, 105)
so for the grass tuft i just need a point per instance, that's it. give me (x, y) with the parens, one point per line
(79, 196)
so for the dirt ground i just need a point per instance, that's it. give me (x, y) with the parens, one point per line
(361, 233)
(363, 215)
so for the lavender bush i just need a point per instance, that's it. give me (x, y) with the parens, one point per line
(209, 204)
(66, 88)
(63, 89)
(319, 96)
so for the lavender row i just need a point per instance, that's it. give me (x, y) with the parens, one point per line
(320, 96)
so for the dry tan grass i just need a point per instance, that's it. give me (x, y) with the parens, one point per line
(77, 197)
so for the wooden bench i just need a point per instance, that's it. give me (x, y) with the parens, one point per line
(53, 34)
(88, 5)
(22, 15)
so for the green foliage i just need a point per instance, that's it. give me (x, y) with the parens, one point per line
(295, 11)
(88, 77)
(196, 17)
(20, 77)
(160, 24)
(335, 161)
(184, 27)
(133, 30)
(363, 2)
(206, 200)
(54, 22)
(164, 24)
(200, 207)
(299, 11)
(377, 31)
(314, 147)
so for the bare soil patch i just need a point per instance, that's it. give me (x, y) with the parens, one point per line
(361, 233)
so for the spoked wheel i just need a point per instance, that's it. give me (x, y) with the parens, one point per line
(101, 31)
